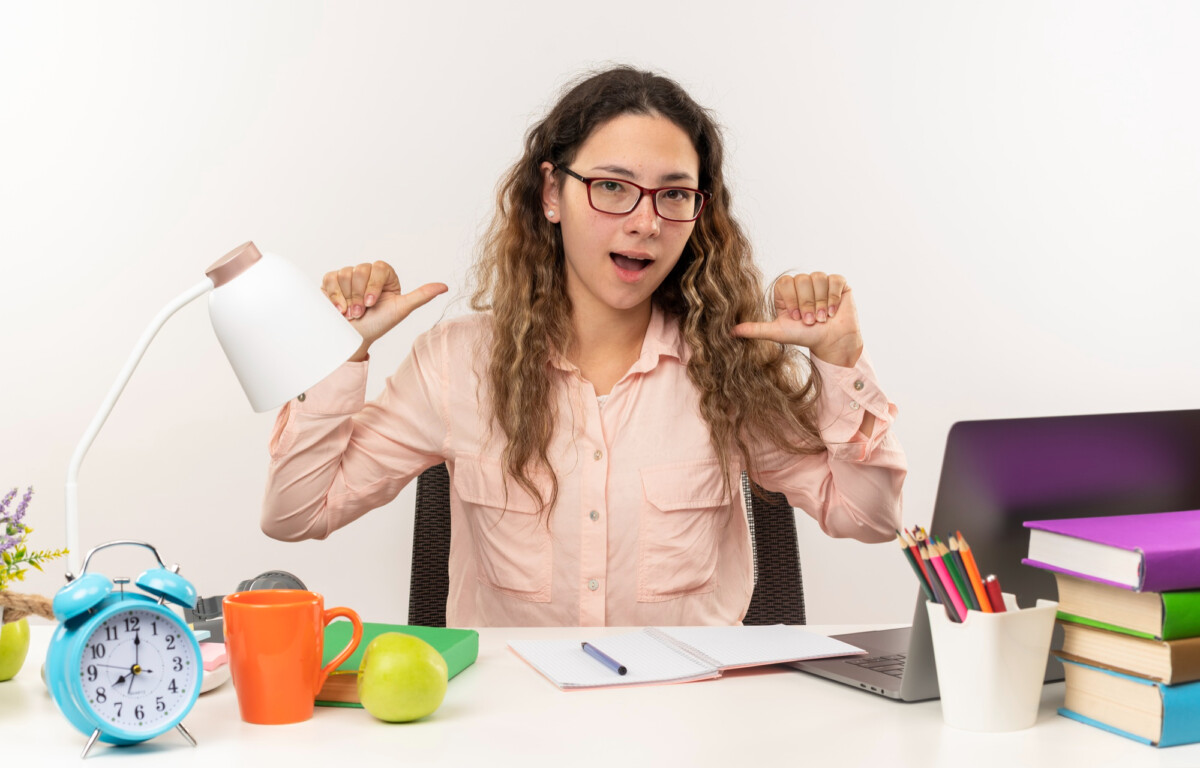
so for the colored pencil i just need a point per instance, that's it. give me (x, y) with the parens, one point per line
(908, 555)
(939, 565)
(935, 582)
(916, 558)
(964, 549)
(952, 573)
(993, 589)
(958, 570)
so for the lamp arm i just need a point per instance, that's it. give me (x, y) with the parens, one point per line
(72, 521)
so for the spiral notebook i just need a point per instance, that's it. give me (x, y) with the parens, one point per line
(674, 654)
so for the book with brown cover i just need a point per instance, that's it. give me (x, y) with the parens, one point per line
(1166, 661)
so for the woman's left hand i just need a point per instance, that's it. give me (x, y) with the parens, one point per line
(816, 311)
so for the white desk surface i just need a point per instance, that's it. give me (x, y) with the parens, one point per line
(500, 712)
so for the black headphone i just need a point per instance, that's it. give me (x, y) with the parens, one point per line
(207, 613)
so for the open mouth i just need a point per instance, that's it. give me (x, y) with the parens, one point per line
(629, 263)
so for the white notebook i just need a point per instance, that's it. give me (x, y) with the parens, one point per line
(674, 654)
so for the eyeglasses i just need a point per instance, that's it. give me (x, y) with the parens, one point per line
(619, 196)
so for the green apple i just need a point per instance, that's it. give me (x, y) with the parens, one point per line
(14, 644)
(401, 678)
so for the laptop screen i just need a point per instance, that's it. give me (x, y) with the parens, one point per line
(997, 474)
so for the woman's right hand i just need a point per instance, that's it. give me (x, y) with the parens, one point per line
(369, 297)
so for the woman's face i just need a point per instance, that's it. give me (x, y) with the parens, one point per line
(616, 262)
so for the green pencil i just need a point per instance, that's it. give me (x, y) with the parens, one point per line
(953, 565)
(908, 555)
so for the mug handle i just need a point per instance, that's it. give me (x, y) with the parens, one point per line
(330, 615)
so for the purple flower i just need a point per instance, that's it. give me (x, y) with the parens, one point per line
(4, 503)
(20, 514)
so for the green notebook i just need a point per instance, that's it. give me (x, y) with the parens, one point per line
(459, 647)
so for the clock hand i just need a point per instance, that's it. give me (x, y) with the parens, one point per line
(137, 642)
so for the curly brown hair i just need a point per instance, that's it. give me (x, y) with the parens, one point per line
(749, 389)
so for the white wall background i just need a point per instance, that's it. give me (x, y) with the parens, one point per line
(1011, 189)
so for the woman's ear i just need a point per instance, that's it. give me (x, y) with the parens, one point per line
(550, 193)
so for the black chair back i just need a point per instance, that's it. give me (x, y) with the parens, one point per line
(778, 587)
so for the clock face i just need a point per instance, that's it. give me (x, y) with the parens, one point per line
(138, 670)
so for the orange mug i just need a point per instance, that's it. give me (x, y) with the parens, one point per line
(275, 639)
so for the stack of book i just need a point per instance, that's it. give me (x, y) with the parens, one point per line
(1129, 605)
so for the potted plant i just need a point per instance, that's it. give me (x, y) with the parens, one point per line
(17, 557)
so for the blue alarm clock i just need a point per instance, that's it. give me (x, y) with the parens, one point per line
(122, 666)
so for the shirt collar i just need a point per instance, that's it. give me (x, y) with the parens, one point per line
(663, 339)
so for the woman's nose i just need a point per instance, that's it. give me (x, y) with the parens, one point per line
(643, 219)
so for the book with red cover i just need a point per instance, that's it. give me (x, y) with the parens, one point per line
(1153, 552)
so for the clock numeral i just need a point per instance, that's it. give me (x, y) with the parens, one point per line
(154, 628)
(119, 705)
(178, 664)
(172, 687)
(92, 673)
(138, 712)
(97, 650)
(170, 642)
(101, 695)
(110, 633)
(132, 623)
(159, 704)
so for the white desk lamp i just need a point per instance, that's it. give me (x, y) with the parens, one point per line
(280, 333)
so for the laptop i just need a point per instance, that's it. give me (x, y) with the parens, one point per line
(996, 475)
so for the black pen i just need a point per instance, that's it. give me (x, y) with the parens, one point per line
(604, 658)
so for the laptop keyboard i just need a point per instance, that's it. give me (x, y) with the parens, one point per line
(889, 665)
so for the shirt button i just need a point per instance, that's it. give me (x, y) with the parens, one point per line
(593, 585)
(858, 385)
(854, 405)
(594, 515)
(598, 455)
(300, 397)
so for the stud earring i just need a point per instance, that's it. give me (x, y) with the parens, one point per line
(549, 214)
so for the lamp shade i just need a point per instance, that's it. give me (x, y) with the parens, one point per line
(279, 331)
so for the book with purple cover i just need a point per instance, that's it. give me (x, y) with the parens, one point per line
(1153, 552)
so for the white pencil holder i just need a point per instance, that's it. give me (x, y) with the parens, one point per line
(991, 666)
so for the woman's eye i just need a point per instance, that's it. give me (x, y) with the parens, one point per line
(678, 195)
(610, 186)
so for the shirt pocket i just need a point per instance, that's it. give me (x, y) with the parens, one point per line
(680, 529)
(512, 543)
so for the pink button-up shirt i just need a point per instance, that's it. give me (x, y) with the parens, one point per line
(642, 533)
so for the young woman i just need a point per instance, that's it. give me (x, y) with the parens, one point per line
(620, 373)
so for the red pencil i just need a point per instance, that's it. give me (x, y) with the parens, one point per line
(912, 547)
(913, 561)
(993, 589)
